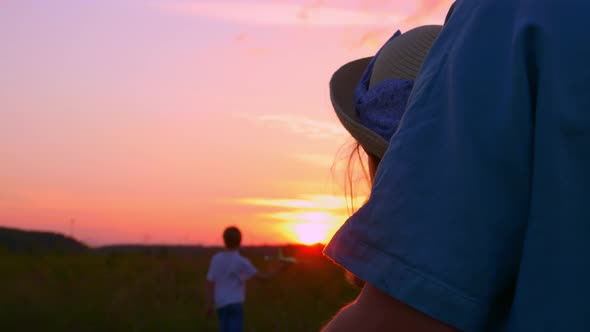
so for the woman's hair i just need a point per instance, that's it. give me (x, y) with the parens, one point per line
(368, 167)
(360, 167)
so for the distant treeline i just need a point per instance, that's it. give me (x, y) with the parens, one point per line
(16, 240)
(23, 241)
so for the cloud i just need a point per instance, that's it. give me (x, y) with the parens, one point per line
(329, 220)
(374, 39)
(282, 14)
(303, 126)
(414, 9)
(386, 5)
(303, 14)
(424, 12)
(307, 202)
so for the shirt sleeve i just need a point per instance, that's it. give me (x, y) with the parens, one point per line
(248, 270)
(442, 230)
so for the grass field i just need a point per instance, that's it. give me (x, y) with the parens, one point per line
(156, 292)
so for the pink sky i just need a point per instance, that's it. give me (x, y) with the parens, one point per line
(165, 121)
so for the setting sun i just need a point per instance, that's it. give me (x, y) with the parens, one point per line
(310, 227)
(305, 219)
(311, 233)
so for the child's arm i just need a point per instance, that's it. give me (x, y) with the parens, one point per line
(270, 273)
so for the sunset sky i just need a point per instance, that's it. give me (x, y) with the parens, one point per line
(128, 121)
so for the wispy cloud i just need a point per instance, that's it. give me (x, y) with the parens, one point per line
(316, 13)
(302, 202)
(373, 38)
(303, 126)
(303, 14)
(426, 9)
(413, 9)
(423, 12)
(330, 220)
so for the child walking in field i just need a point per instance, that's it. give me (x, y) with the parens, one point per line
(226, 282)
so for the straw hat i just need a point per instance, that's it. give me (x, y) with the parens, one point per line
(399, 59)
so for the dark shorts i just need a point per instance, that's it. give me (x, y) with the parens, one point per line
(231, 317)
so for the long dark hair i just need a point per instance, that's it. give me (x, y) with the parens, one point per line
(368, 164)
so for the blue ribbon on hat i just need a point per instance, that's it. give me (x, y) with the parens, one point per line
(381, 107)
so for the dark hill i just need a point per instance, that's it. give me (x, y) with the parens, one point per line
(15, 240)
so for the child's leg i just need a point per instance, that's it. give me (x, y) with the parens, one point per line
(223, 318)
(236, 318)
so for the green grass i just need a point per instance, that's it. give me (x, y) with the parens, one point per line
(143, 292)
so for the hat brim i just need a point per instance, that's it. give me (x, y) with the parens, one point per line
(342, 86)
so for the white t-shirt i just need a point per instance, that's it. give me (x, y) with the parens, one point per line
(229, 271)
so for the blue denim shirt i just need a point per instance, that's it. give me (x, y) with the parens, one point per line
(480, 210)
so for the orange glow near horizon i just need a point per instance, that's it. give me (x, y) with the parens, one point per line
(306, 219)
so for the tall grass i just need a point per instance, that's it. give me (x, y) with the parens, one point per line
(155, 292)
